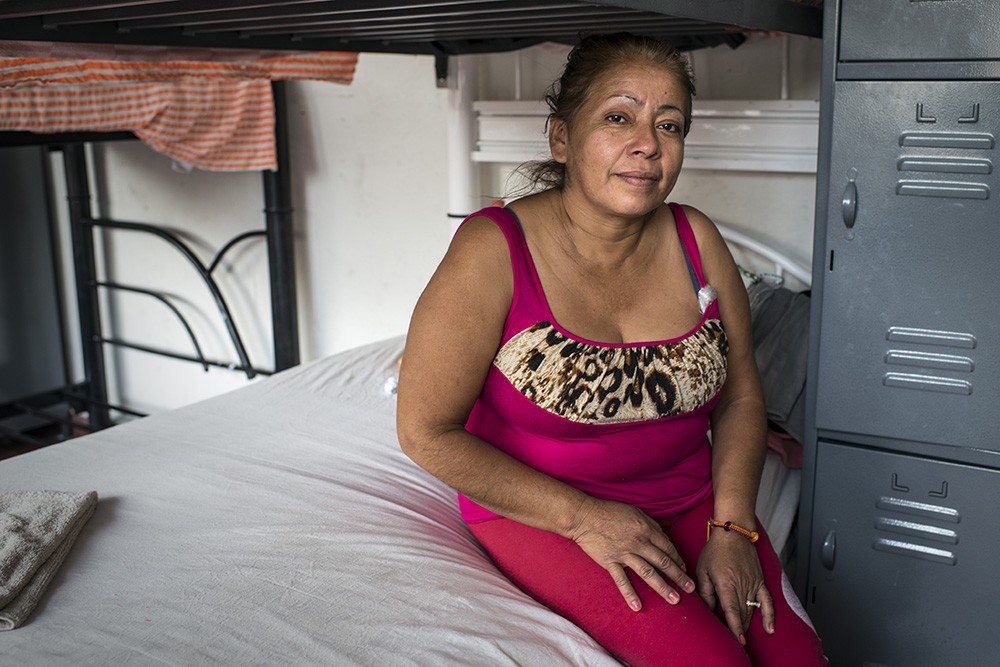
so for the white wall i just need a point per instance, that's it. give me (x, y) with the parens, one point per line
(369, 164)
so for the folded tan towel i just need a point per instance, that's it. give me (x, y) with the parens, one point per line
(37, 530)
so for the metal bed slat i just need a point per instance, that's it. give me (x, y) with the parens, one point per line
(23, 8)
(426, 32)
(562, 22)
(195, 12)
(798, 17)
(477, 11)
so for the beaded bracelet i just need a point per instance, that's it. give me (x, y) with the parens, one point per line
(733, 528)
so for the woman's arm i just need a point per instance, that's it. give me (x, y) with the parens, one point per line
(454, 335)
(729, 570)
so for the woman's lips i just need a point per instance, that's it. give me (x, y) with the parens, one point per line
(640, 179)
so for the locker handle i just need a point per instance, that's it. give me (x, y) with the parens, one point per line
(828, 552)
(849, 204)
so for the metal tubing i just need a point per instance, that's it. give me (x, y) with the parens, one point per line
(185, 357)
(281, 242)
(162, 299)
(232, 242)
(78, 196)
(206, 277)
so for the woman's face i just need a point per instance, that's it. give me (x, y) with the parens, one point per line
(624, 148)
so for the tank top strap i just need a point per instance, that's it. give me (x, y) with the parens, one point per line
(528, 306)
(689, 244)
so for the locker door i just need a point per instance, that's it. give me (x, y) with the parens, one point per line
(919, 30)
(902, 560)
(911, 292)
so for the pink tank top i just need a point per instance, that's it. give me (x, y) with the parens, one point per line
(619, 422)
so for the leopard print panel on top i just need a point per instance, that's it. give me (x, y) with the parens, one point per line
(597, 384)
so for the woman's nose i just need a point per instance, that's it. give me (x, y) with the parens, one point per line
(644, 141)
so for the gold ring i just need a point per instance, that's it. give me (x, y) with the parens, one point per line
(751, 603)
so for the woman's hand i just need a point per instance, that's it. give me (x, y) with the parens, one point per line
(729, 574)
(617, 535)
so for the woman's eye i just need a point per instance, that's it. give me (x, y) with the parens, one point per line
(670, 127)
(615, 118)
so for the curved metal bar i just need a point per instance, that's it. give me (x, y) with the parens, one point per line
(183, 357)
(220, 302)
(233, 241)
(163, 299)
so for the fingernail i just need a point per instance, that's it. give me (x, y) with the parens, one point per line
(689, 586)
(673, 598)
(743, 640)
(635, 605)
(770, 628)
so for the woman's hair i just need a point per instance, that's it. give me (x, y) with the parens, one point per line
(587, 62)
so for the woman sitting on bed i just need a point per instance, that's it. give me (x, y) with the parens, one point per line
(563, 368)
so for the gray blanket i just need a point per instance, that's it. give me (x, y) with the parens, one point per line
(37, 530)
(780, 320)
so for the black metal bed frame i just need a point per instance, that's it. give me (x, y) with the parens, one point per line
(91, 394)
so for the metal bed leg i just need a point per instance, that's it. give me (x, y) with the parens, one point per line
(281, 242)
(78, 195)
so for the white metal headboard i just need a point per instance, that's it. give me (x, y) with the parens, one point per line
(782, 263)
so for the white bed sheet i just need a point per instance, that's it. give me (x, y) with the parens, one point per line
(278, 524)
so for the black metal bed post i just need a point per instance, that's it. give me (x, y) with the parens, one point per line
(281, 242)
(78, 196)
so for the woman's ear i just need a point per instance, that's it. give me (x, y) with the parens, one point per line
(557, 139)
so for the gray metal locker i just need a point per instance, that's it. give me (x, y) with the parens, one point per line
(899, 575)
(909, 285)
(901, 466)
(932, 30)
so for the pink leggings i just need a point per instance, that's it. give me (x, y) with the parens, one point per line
(560, 575)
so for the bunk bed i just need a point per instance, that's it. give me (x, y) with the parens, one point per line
(441, 28)
(280, 523)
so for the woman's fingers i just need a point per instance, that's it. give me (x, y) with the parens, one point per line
(619, 536)
(650, 575)
(621, 580)
(738, 610)
(654, 580)
(669, 562)
(766, 609)
(730, 581)
(736, 613)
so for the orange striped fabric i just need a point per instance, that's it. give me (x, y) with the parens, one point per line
(206, 111)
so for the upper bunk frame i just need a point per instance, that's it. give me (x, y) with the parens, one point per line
(432, 27)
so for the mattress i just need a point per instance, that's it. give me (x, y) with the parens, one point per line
(276, 524)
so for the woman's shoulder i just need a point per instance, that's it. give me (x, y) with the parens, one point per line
(706, 234)
(698, 220)
(478, 252)
(484, 232)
